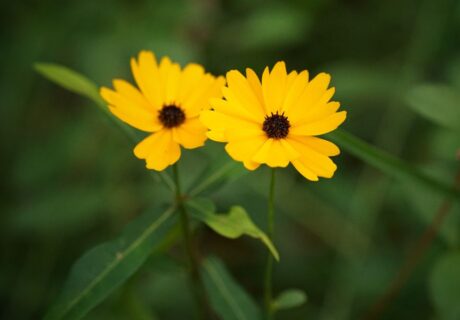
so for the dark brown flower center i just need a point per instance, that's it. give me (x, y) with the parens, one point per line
(171, 116)
(276, 126)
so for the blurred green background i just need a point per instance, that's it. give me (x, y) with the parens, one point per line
(70, 181)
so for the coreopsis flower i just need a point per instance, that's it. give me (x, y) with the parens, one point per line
(167, 105)
(276, 121)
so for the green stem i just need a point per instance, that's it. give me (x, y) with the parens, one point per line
(268, 294)
(196, 283)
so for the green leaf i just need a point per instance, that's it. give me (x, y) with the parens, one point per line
(232, 225)
(290, 299)
(390, 164)
(227, 298)
(105, 267)
(445, 284)
(70, 80)
(437, 103)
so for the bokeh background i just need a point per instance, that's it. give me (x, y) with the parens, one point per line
(69, 179)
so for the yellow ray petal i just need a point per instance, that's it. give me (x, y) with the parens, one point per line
(131, 93)
(244, 94)
(272, 153)
(305, 171)
(149, 144)
(251, 165)
(295, 89)
(164, 153)
(318, 163)
(256, 86)
(200, 99)
(320, 145)
(235, 107)
(190, 78)
(191, 134)
(243, 150)
(147, 77)
(129, 112)
(321, 126)
(312, 93)
(219, 121)
(274, 87)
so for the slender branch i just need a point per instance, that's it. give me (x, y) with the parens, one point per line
(190, 251)
(412, 260)
(268, 295)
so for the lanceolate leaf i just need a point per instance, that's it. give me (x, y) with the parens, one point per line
(70, 80)
(227, 298)
(232, 225)
(389, 164)
(105, 267)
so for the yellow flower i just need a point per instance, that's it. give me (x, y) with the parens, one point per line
(276, 121)
(167, 105)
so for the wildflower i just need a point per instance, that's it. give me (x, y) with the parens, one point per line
(276, 121)
(167, 105)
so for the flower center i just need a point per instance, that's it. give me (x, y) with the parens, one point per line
(276, 125)
(171, 116)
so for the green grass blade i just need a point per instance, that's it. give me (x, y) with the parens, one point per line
(226, 296)
(390, 164)
(107, 266)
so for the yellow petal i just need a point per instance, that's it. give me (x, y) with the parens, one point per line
(129, 112)
(272, 153)
(305, 171)
(149, 144)
(199, 99)
(190, 78)
(244, 94)
(256, 86)
(217, 135)
(318, 163)
(243, 150)
(320, 145)
(235, 107)
(295, 89)
(274, 87)
(159, 151)
(131, 93)
(218, 121)
(251, 165)
(312, 93)
(321, 126)
(148, 78)
(191, 134)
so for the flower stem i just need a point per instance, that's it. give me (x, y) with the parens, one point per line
(270, 231)
(195, 278)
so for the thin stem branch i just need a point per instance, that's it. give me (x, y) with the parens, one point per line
(413, 259)
(196, 283)
(268, 294)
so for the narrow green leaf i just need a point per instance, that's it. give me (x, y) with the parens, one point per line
(445, 284)
(437, 103)
(227, 298)
(105, 267)
(290, 299)
(232, 225)
(390, 164)
(70, 80)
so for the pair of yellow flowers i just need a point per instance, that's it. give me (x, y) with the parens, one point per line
(273, 120)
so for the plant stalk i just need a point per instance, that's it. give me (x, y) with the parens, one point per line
(268, 288)
(190, 251)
